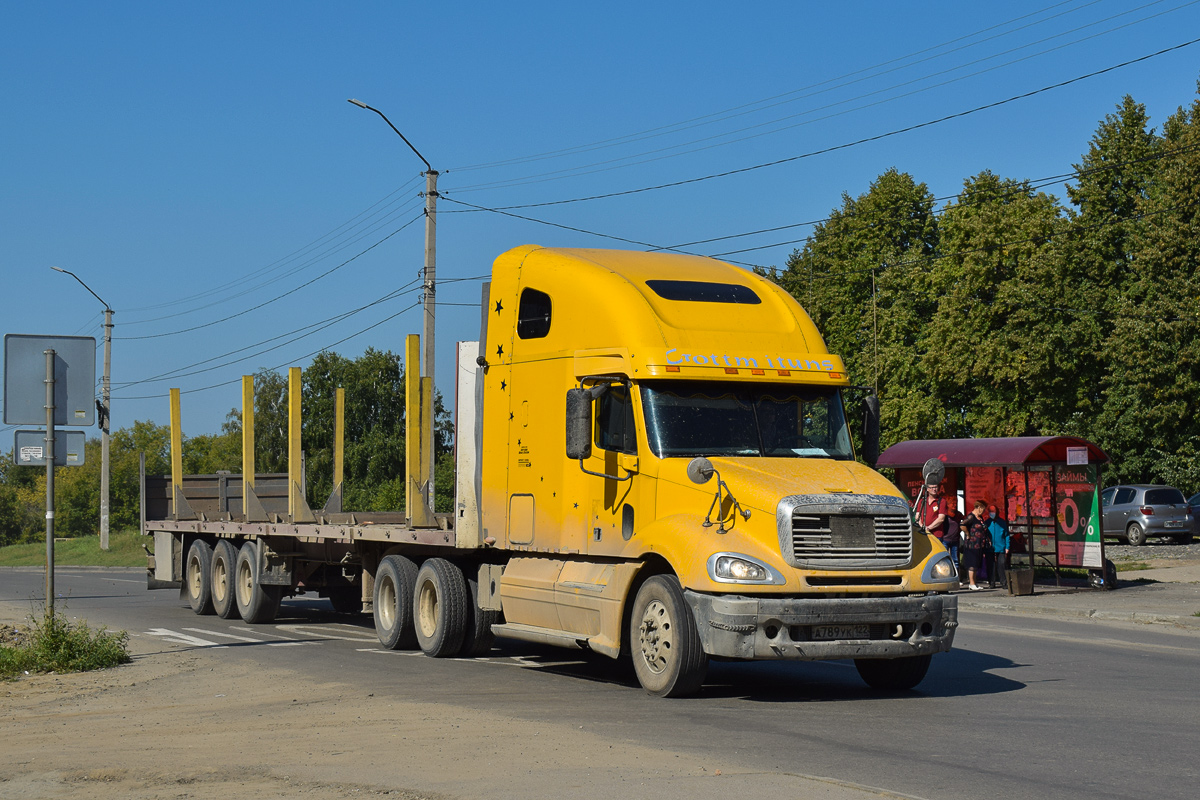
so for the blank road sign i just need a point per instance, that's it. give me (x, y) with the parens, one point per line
(25, 379)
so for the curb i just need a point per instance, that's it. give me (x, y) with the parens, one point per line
(1140, 617)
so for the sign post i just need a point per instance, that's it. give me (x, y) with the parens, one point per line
(49, 483)
(68, 367)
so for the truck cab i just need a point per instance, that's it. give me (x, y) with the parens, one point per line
(665, 456)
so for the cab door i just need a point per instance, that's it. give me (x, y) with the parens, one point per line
(621, 496)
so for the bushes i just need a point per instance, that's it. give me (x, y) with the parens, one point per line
(55, 644)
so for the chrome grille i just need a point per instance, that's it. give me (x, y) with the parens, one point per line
(857, 532)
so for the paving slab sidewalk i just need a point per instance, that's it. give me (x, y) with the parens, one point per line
(1168, 595)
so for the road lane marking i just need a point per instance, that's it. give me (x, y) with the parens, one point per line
(183, 638)
(319, 631)
(246, 638)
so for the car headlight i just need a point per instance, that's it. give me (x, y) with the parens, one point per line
(738, 568)
(940, 570)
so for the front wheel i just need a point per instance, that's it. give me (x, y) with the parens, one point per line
(668, 658)
(1135, 535)
(893, 674)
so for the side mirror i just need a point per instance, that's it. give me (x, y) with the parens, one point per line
(871, 429)
(579, 423)
(700, 470)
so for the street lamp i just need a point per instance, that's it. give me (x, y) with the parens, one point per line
(429, 284)
(103, 409)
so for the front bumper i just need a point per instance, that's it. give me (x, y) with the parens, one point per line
(738, 626)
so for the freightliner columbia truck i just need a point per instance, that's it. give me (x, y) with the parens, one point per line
(653, 462)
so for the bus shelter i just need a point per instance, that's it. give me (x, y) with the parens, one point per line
(1047, 488)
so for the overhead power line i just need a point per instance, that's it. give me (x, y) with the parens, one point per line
(779, 99)
(277, 297)
(857, 142)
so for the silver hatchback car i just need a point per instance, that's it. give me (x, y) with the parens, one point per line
(1138, 511)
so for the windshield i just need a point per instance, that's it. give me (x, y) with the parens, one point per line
(713, 418)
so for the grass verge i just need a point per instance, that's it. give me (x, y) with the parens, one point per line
(124, 550)
(55, 644)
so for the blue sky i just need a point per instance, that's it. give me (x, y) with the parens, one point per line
(192, 161)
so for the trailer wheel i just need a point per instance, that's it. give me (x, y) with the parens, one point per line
(255, 602)
(893, 674)
(197, 578)
(667, 655)
(395, 582)
(478, 637)
(224, 561)
(440, 605)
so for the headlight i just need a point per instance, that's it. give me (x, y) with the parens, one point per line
(941, 571)
(737, 568)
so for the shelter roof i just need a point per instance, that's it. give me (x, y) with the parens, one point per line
(1009, 451)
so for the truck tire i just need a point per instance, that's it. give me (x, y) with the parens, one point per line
(395, 583)
(668, 658)
(440, 608)
(893, 674)
(197, 577)
(478, 637)
(256, 603)
(224, 562)
(1135, 535)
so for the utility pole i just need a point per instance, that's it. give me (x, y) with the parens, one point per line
(429, 275)
(104, 411)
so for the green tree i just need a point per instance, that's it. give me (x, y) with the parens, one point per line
(996, 352)
(1149, 418)
(862, 279)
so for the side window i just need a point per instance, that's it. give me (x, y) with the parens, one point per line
(1124, 496)
(615, 430)
(533, 314)
(1106, 497)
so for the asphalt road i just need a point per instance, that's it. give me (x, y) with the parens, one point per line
(1022, 708)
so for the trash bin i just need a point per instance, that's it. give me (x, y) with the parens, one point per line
(1020, 581)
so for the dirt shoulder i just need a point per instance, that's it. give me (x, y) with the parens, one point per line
(187, 723)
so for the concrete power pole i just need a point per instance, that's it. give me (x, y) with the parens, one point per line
(105, 409)
(429, 283)
(430, 288)
(105, 389)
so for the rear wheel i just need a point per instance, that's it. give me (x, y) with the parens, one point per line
(197, 579)
(395, 582)
(1135, 535)
(667, 655)
(893, 674)
(255, 602)
(224, 562)
(440, 604)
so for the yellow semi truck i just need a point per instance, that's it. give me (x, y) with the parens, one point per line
(653, 461)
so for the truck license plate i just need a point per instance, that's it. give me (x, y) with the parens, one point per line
(841, 632)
